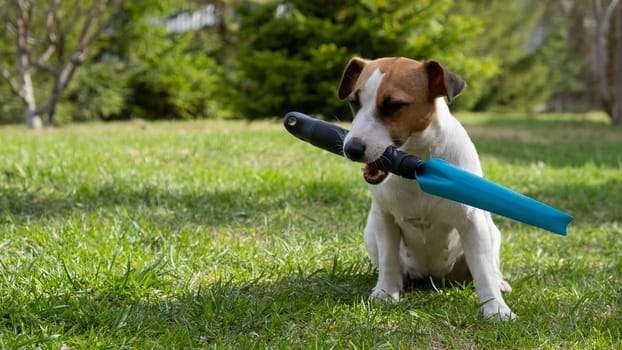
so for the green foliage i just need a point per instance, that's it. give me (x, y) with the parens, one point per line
(172, 82)
(10, 107)
(292, 56)
(263, 57)
(99, 91)
(535, 77)
(156, 75)
(531, 47)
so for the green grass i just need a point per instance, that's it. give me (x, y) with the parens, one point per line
(234, 235)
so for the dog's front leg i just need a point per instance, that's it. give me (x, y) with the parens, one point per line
(382, 239)
(479, 246)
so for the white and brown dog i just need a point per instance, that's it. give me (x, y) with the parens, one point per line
(411, 234)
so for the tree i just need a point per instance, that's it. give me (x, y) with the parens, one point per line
(52, 38)
(159, 73)
(173, 81)
(616, 116)
(528, 41)
(603, 18)
(292, 53)
(586, 54)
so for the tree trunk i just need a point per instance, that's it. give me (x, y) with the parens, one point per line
(616, 116)
(601, 51)
(24, 69)
(33, 119)
(51, 116)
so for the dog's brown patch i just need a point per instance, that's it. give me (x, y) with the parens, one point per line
(405, 98)
(405, 82)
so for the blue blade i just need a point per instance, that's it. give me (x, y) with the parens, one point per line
(443, 179)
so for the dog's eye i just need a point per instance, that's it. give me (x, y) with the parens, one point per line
(390, 106)
(354, 102)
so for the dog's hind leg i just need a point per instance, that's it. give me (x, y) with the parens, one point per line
(481, 250)
(495, 236)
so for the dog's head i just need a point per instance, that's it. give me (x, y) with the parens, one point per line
(391, 98)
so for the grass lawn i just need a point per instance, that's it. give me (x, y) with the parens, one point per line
(218, 234)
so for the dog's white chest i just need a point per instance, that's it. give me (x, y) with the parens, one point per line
(428, 248)
(430, 243)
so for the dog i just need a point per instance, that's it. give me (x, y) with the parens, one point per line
(410, 234)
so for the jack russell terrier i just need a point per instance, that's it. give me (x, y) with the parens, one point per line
(411, 234)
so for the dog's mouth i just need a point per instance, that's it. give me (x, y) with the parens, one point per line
(373, 175)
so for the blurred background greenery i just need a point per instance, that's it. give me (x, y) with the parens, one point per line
(172, 59)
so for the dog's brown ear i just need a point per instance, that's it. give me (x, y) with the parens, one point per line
(350, 75)
(442, 82)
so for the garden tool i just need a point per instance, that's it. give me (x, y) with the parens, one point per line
(437, 177)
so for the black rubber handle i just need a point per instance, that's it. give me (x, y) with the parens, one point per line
(330, 137)
(317, 132)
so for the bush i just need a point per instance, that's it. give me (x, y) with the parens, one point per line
(98, 92)
(175, 83)
(292, 56)
(10, 107)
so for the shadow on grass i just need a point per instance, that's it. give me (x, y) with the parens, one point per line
(172, 207)
(324, 201)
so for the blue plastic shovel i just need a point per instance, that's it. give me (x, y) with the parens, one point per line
(437, 177)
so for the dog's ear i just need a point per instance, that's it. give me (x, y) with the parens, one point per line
(442, 82)
(350, 75)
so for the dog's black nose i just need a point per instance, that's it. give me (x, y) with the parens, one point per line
(354, 149)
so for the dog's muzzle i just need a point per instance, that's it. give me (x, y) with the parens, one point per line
(354, 150)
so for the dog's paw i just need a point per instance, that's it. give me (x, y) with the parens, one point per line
(505, 287)
(495, 311)
(382, 294)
